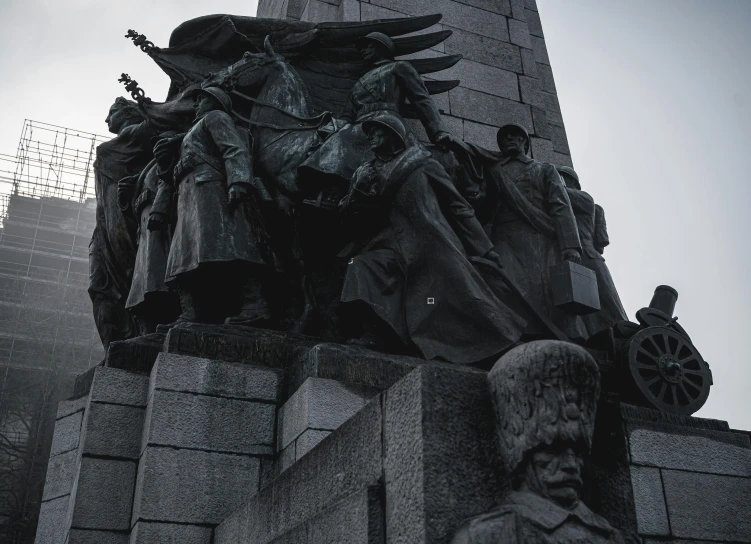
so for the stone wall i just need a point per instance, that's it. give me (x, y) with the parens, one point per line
(505, 73)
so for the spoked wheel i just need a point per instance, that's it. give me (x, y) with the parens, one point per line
(668, 371)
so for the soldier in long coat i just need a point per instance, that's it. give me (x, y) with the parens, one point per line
(412, 269)
(531, 224)
(214, 261)
(112, 249)
(386, 87)
(593, 234)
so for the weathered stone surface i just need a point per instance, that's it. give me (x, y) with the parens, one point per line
(334, 470)
(433, 417)
(82, 536)
(518, 10)
(168, 533)
(558, 137)
(308, 440)
(237, 344)
(135, 355)
(542, 150)
(531, 4)
(350, 364)
(104, 494)
(651, 512)
(288, 457)
(547, 82)
(51, 528)
(691, 453)
(708, 507)
(533, 21)
(320, 404)
(485, 50)
(358, 519)
(455, 14)
(113, 430)
(519, 33)
(185, 420)
(117, 386)
(316, 10)
(454, 125)
(488, 109)
(69, 407)
(188, 486)
(482, 135)
(561, 159)
(530, 92)
(484, 78)
(67, 433)
(540, 50)
(61, 471)
(540, 120)
(529, 64)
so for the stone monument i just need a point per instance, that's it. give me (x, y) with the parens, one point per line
(347, 398)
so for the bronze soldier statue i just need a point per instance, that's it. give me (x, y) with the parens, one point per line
(410, 278)
(385, 87)
(112, 249)
(214, 262)
(544, 396)
(526, 209)
(593, 235)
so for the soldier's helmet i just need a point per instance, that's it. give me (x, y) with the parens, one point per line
(515, 127)
(215, 92)
(543, 393)
(378, 37)
(571, 174)
(391, 123)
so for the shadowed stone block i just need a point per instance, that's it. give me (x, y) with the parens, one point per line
(219, 378)
(546, 78)
(483, 78)
(651, 513)
(322, 405)
(708, 507)
(560, 159)
(113, 430)
(533, 21)
(67, 433)
(488, 109)
(482, 135)
(542, 150)
(104, 494)
(79, 536)
(531, 92)
(485, 50)
(307, 441)
(540, 50)
(52, 520)
(61, 472)
(188, 486)
(168, 533)
(529, 64)
(68, 407)
(288, 457)
(316, 10)
(117, 386)
(186, 420)
(519, 34)
(691, 453)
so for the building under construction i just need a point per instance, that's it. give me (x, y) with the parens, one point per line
(47, 332)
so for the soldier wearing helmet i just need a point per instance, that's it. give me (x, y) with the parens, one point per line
(409, 277)
(386, 87)
(544, 396)
(214, 255)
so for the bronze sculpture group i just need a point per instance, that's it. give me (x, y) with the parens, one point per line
(261, 207)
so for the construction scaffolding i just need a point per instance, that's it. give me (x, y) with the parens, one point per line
(47, 331)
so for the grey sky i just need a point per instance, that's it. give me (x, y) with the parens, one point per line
(656, 97)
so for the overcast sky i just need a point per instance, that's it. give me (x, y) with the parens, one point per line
(656, 97)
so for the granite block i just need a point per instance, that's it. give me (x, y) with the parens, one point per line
(136, 355)
(707, 506)
(691, 453)
(484, 50)
(519, 33)
(104, 494)
(531, 92)
(71, 406)
(649, 498)
(322, 405)
(185, 420)
(84, 536)
(218, 378)
(61, 473)
(545, 73)
(117, 386)
(540, 50)
(358, 519)
(533, 21)
(529, 64)
(67, 433)
(561, 159)
(482, 135)
(542, 150)
(52, 527)
(315, 10)
(484, 78)
(113, 430)
(455, 14)
(488, 109)
(308, 440)
(454, 125)
(541, 125)
(559, 139)
(288, 457)
(531, 4)
(188, 486)
(518, 10)
(169, 533)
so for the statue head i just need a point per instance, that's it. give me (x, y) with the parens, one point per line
(386, 134)
(375, 47)
(513, 139)
(545, 395)
(570, 177)
(208, 99)
(123, 113)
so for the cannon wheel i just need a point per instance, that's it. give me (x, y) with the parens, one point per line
(668, 371)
